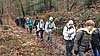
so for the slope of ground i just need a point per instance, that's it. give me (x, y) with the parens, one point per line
(18, 42)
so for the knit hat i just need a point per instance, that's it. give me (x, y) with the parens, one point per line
(27, 18)
(51, 18)
(70, 22)
(41, 20)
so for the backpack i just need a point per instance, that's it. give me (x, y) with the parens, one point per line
(36, 22)
(82, 34)
(79, 42)
(50, 25)
(98, 33)
(97, 39)
(98, 43)
(43, 26)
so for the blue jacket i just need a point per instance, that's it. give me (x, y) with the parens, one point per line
(30, 22)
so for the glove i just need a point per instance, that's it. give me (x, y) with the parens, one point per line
(76, 52)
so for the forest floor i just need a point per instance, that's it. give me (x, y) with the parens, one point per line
(18, 42)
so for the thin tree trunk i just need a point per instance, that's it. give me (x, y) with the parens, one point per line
(22, 9)
(2, 8)
(72, 5)
(50, 4)
(45, 4)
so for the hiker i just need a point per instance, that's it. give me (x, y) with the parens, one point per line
(1, 21)
(49, 28)
(96, 42)
(40, 29)
(17, 21)
(69, 33)
(29, 23)
(22, 22)
(83, 39)
(36, 21)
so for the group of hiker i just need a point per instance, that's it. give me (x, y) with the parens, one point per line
(78, 42)
(39, 25)
(83, 40)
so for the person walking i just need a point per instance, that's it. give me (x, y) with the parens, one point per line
(40, 29)
(96, 42)
(36, 21)
(29, 23)
(22, 22)
(83, 39)
(69, 32)
(49, 28)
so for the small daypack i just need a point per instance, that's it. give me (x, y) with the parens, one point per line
(82, 34)
(79, 42)
(98, 38)
(36, 22)
(99, 34)
(43, 26)
(50, 26)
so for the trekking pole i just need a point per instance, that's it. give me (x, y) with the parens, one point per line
(56, 36)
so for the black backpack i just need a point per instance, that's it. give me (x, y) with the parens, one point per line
(96, 40)
(36, 22)
(99, 38)
(98, 34)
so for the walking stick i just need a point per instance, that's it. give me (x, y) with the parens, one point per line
(56, 36)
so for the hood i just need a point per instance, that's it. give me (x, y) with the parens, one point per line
(69, 22)
(85, 29)
(27, 18)
(51, 18)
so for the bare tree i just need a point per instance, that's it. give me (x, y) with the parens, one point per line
(22, 9)
(1, 9)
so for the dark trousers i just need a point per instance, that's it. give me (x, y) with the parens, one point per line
(96, 52)
(69, 47)
(37, 32)
(49, 38)
(22, 25)
(36, 27)
(30, 29)
(41, 33)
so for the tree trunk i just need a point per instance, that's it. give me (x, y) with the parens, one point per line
(50, 4)
(1, 9)
(22, 9)
(46, 4)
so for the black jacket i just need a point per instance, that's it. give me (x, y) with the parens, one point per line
(96, 39)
